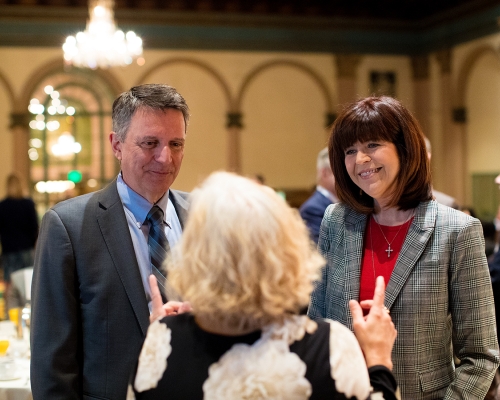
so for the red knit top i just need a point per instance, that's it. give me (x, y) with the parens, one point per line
(377, 260)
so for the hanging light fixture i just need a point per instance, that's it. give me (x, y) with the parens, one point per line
(101, 44)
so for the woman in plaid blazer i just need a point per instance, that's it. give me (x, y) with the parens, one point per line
(439, 292)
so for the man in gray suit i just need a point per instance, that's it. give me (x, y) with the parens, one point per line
(91, 296)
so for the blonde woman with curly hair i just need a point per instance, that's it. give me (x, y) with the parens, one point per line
(246, 265)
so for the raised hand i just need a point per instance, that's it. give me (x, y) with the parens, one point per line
(160, 310)
(375, 332)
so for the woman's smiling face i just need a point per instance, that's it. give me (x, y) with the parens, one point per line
(373, 166)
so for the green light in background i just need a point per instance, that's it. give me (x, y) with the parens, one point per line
(75, 176)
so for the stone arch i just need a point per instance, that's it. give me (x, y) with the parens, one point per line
(472, 125)
(8, 89)
(466, 69)
(200, 64)
(112, 86)
(96, 89)
(294, 64)
(278, 166)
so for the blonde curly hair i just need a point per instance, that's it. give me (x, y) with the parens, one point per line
(245, 258)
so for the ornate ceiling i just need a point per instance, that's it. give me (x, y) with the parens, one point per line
(378, 26)
(406, 10)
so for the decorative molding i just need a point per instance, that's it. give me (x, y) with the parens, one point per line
(19, 120)
(234, 120)
(444, 57)
(383, 83)
(322, 85)
(459, 115)
(330, 119)
(467, 65)
(207, 68)
(165, 28)
(420, 66)
(394, 13)
(347, 65)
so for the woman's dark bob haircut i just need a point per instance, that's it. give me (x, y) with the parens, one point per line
(381, 119)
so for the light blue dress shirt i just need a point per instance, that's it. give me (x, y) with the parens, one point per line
(327, 194)
(136, 210)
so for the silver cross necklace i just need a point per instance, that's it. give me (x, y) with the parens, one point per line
(389, 250)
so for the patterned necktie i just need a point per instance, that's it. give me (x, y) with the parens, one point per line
(158, 246)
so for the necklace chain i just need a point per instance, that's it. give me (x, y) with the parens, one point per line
(389, 250)
(373, 262)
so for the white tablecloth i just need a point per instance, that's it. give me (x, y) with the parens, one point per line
(19, 388)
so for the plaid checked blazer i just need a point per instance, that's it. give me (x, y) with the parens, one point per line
(439, 296)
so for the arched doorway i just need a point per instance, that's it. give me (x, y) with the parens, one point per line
(69, 123)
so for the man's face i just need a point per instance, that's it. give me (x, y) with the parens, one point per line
(152, 152)
(328, 180)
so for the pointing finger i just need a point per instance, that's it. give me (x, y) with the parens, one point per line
(379, 295)
(156, 300)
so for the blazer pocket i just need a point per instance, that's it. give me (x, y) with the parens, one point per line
(436, 379)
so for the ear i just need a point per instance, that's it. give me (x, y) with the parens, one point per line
(325, 173)
(116, 145)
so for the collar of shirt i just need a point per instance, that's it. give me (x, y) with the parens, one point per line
(327, 194)
(137, 205)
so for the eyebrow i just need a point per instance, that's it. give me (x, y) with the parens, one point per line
(150, 137)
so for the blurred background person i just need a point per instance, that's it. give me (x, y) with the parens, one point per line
(496, 220)
(19, 294)
(432, 256)
(314, 207)
(494, 267)
(18, 230)
(488, 231)
(469, 211)
(246, 265)
(440, 197)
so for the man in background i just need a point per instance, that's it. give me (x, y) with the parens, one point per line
(90, 293)
(314, 207)
(18, 230)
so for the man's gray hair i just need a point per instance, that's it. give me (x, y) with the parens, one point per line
(148, 97)
(323, 159)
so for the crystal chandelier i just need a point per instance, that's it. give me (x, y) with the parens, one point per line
(101, 44)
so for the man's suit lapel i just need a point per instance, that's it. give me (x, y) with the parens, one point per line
(181, 206)
(418, 235)
(115, 231)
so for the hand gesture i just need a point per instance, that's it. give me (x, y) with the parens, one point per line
(375, 333)
(160, 310)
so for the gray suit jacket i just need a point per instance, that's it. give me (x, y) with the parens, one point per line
(90, 313)
(439, 295)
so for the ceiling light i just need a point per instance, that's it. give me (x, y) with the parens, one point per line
(101, 44)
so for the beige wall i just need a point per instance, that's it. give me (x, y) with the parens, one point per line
(483, 104)
(206, 144)
(435, 129)
(6, 139)
(476, 69)
(283, 99)
(284, 116)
